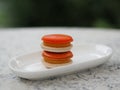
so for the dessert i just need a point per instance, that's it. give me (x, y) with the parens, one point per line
(56, 50)
(57, 43)
(57, 58)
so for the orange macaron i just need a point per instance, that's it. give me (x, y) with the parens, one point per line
(57, 58)
(56, 50)
(57, 42)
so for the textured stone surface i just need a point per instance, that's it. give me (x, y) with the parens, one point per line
(17, 41)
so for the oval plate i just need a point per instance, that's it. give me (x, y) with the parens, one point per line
(30, 66)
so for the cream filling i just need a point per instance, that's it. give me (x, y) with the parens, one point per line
(53, 49)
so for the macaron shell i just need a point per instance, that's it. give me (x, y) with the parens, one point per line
(56, 61)
(55, 56)
(57, 38)
(49, 65)
(53, 49)
(56, 45)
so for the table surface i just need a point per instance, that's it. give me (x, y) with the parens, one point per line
(15, 41)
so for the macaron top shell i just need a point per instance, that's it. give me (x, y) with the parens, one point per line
(57, 38)
(57, 55)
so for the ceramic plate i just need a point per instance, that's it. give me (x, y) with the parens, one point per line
(30, 66)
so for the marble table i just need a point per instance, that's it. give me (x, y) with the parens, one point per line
(15, 41)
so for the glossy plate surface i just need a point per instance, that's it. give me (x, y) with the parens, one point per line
(86, 56)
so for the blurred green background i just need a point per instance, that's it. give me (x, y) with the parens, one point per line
(78, 13)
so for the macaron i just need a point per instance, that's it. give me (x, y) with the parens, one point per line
(57, 42)
(57, 58)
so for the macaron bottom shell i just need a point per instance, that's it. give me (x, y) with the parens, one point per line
(50, 65)
(56, 61)
(56, 45)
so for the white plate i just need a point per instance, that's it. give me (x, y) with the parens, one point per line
(86, 56)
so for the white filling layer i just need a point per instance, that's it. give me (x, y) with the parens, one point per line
(53, 49)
